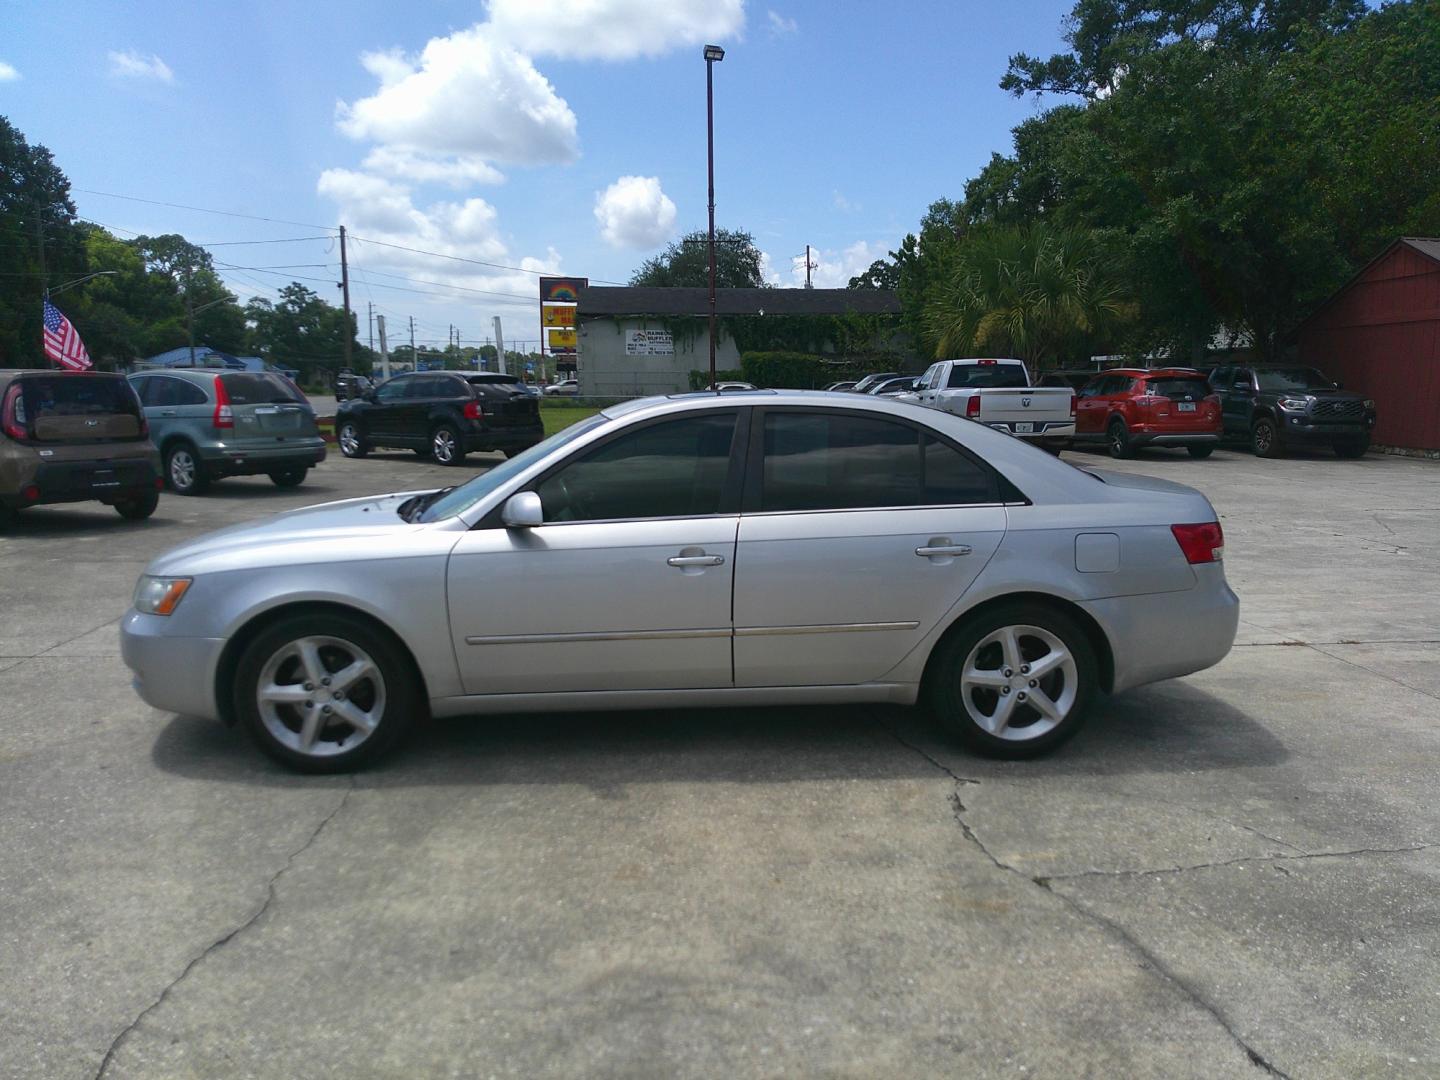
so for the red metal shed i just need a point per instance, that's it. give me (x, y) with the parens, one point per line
(1380, 334)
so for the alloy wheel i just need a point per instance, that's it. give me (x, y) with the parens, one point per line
(349, 440)
(320, 696)
(443, 445)
(1019, 683)
(182, 470)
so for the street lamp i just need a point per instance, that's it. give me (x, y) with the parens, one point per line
(713, 54)
(78, 280)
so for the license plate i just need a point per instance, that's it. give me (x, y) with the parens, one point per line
(1186, 406)
(1024, 429)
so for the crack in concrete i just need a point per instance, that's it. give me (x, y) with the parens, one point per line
(1372, 671)
(918, 750)
(1147, 958)
(1163, 870)
(227, 937)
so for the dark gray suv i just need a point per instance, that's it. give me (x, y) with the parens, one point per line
(209, 424)
(1277, 406)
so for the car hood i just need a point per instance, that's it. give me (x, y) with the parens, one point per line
(364, 528)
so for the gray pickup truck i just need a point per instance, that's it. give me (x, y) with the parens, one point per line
(1273, 407)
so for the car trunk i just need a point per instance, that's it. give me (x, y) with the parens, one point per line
(507, 405)
(266, 409)
(1179, 404)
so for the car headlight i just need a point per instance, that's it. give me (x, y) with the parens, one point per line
(159, 595)
(1369, 403)
(1293, 404)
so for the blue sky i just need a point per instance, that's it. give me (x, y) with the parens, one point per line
(502, 131)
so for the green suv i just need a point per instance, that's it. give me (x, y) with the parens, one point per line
(209, 424)
(74, 436)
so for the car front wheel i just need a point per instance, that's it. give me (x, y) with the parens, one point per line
(445, 446)
(1265, 438)
(324, 693)
(352, 442)
(1015, 681)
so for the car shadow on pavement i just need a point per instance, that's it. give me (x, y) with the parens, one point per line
(40, 522)
(1171, 728)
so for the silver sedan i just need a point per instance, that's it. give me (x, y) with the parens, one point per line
(756, 548)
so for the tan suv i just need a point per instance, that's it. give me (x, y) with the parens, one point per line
(74, 436)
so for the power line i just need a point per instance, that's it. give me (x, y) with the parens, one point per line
(204, 209)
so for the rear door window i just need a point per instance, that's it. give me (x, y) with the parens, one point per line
(258, 388)
(1188, 388)
(61, 407)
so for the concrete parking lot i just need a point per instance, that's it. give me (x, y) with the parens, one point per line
(1226, 875)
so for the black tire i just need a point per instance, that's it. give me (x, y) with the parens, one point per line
(947, 695)
(139, 508)
(422, 452)
(1200, 453)
(402, 700)
(1352, 448)
(1265, 438)
(8, 515)
(350, 437)
(1117, 439)
(446, 445)
(291, 477)
(184, 470)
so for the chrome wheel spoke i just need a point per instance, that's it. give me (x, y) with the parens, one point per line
(310, 729)
(1010, 643)
(1000, 718)
(362, 721)
(350, 674)
(310, 660)
(1044, 706)
(987, 679)
(1048, 663)
(289, 694)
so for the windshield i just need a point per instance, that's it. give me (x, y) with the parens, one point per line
(983, 376)
(467, 495)
(1298, 378)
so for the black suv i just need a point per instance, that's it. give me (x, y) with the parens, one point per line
(1273, 407)
(444, 414)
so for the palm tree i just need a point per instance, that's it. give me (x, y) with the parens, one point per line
(1030, 291)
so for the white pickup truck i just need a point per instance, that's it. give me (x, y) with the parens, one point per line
(999, 394)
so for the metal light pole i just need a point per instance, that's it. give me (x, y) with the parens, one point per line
(60, 288)
(713, 54)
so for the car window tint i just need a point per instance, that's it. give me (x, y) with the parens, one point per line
(144, 389)
(77, 395)
(393, 390)
(674, 469)
(986, 375)
(1179, 388)
(947, 476)
(257, 388)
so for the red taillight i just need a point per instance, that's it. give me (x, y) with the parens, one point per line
(12, 427)
(987, 363)
(1202, 543)
(473, 411)
(972, 406)
(159, 483)
(224, 415)
(30, 493)
(1072, 404)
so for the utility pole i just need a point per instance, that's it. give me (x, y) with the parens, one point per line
(370, 306)
(384, 349)
(414, 360)
(40, 247)
(190, 314)
(345, 295)
(808, 267)
(712, 54)
(499, 345)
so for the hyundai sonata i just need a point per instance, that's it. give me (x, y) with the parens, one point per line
(764, 547)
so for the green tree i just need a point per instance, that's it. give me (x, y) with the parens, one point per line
(1032, 291)
(686, 262)
(301, 331)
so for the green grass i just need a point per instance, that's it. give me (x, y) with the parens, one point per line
(559, 417)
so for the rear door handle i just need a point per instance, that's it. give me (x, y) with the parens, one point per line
(696, 560)
(931, 550)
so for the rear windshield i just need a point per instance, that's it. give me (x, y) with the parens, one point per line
(493, 377)
(983, 376)
(74, 395)
(1191, 388)
(258, 388)
(1300, 378)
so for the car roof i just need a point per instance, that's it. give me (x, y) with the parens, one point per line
(1146, 373)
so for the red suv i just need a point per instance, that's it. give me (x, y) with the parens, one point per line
(1128, 408)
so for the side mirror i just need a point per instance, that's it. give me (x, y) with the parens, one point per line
(522, 511)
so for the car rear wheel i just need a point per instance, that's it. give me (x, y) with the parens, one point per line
(184, 471)
(1015, 681)
(289, 478)
(8, 516)
(1352, 448)
(139, 508)
(1117, 439)
(1265, 438)
(1200, 453)
(352, 440)
(324, 693)
(445, 445)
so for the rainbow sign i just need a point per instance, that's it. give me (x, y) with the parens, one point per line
(561, 290)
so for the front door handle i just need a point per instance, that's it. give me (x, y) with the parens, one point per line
(169, 412)
(933, 549)
(696, 560)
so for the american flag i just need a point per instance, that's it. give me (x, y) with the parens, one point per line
(62, 341)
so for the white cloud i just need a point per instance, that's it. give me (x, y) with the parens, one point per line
(427, 168)
(834, 269)
(132, 64)
(634, 212)
(613, 29)
(467, 95)
(780, 25)
(8, 72)
(844, 205)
